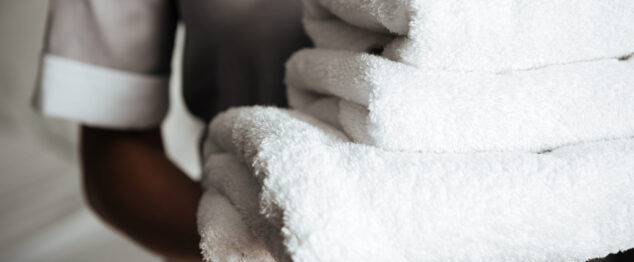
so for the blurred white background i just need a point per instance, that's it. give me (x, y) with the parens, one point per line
(42, 213)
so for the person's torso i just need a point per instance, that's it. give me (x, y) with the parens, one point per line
(235, 52)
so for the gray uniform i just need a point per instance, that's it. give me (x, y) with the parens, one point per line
(107, 62)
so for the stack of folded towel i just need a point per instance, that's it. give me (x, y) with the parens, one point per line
(463, 76)
(429, 130)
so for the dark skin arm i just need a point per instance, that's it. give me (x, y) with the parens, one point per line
(128, 179)
(133, 186)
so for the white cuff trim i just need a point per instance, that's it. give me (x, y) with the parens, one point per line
(100, 96)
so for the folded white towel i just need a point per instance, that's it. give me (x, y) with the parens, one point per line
(399, 107)
(224, 172)
(339, 201)
(482, 35)
(224, 235)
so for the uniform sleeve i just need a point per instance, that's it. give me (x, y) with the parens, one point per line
(106, 63)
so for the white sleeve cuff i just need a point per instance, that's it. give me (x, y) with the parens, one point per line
(100, 96)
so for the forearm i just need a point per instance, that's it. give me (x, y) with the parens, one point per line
(131, 183)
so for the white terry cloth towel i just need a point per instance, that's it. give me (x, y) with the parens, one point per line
(261, 240)
(224, 235)
(478, 35)
(334, 200)
(395, 106)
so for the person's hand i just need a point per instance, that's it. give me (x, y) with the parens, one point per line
(132, 185)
